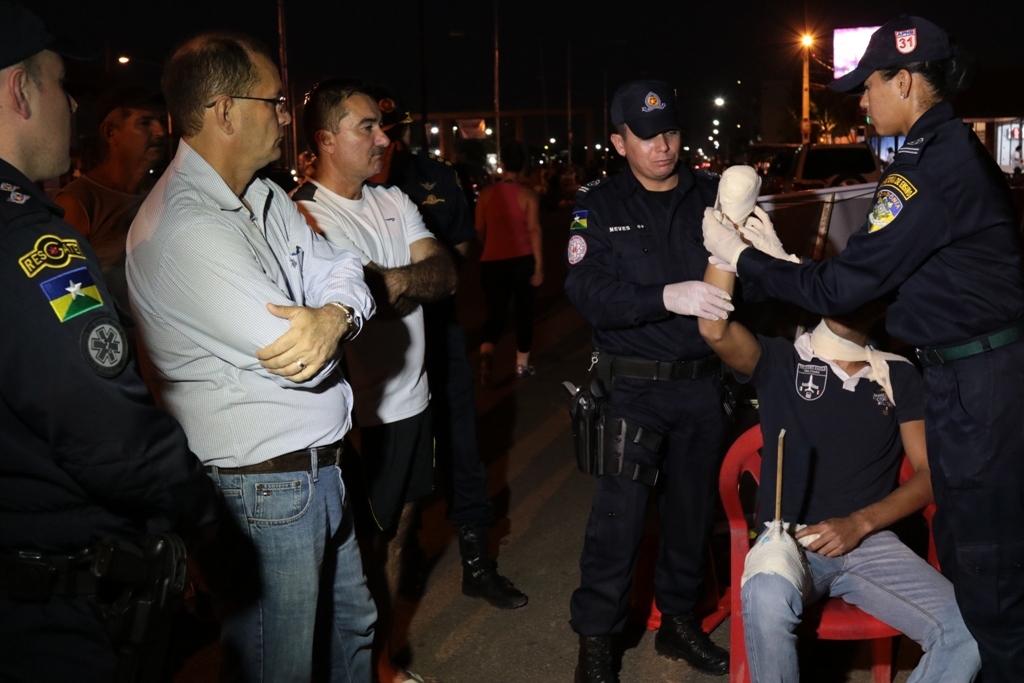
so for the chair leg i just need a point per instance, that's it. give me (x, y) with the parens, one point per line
(882, 660)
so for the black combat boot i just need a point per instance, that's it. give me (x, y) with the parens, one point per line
(595, 663)
(681, 637)
(480, 577)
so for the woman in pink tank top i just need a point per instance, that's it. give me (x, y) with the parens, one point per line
(511, 266)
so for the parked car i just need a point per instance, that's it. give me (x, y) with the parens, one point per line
(810, 167)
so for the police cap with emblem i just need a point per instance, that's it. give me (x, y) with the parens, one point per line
(905, 40)
(22, 34)
(647, 107)
(391, 114)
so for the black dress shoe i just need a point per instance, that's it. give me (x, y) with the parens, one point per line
(595, 663)
(681, 637)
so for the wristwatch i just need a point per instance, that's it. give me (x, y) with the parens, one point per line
(350, 320)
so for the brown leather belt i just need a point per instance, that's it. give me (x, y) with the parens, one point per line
(296, 461)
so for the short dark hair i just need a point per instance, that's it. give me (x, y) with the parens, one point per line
(513, 156)
(204, 67)
(33, 68)
(324, 107)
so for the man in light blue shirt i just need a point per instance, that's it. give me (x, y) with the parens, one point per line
(242, 310)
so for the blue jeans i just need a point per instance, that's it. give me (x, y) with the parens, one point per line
(302, 531)
(884, 578)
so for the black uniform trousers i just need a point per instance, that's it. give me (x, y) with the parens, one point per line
(688, 413)
(975, 432)
(57, 640)
(452, 399)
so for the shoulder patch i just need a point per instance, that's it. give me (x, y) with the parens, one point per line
(104, 347)
(577, 249)
(887, 207)
(440, 159)
(304, 193)
(900, 184)
(50, 251)
(579, 220)
(72, 293)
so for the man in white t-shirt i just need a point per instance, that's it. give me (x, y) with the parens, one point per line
(404, 266)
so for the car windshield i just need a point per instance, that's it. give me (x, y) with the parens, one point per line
(823, 163)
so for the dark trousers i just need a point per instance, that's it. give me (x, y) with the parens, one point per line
(504, 280)
(59, 640)
(688, 413)
(452, 399)
(975, 432)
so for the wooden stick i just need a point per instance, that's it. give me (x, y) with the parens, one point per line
(778, 477)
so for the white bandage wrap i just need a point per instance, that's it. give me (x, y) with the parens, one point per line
(776, 552)
(828, 345)
(737, 193)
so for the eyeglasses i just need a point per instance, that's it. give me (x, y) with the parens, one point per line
(280, 103)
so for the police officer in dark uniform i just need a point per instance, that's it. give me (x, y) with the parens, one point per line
(635, 267)
(433, 184)
(85, 454)
(942, 241)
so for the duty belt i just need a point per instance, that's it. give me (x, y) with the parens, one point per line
(296, 461)
(30, 576)
(946, 354)
(641, 368)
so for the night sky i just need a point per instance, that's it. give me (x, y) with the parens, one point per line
(703, 48)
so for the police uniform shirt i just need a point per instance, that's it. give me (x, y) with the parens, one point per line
(942, 232)
(842, 447)
(433, 185)
(84, 453)
(624, 246)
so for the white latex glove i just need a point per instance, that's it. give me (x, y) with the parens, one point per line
(721, 265)
(759, 232)
(694, 297)
(720, 239)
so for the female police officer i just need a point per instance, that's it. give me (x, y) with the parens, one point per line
(941, 241)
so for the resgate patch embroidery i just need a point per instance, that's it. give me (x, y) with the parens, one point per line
(577, 249)
(810, 381)
(50, 251)
(71, 294)
(887, 207)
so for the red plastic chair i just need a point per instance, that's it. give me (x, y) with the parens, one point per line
(829, 619)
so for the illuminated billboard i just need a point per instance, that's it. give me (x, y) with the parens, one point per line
(848, 45)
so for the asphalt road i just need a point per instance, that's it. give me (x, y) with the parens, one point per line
(542, 502)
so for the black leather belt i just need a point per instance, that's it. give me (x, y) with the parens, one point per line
(945, 354)
(296, 461)
(30, 576)
(641, 368)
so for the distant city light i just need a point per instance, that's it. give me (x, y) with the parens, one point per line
(715, 122)
(714, 132)
(488, 131)
(739, 82)
(552, 141)
(437, 152)
(719, 101)
(433, 130)
(686, 149)
(711, 137)
(737, 125)
(123, 60)
(545, 146)
(807, 40)
(597, 146)
(455, 128)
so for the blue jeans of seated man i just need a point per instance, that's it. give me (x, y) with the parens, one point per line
(884, 578)
(301, 526)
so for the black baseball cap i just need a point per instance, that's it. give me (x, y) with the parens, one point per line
(22, 34)
(901, 41)
(391, 113)
(127, 96)
(647, 107)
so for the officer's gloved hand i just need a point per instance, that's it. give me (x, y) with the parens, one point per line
(760, 233)
(720, 238)
(697, 298)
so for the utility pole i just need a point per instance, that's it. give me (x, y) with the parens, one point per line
(290, 140)
(805, 118)
(568, 98)
(497, 100)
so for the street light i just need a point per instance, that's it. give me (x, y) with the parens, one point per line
(805, 112)
(719, 102)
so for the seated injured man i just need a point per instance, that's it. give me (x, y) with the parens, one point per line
(849, 412)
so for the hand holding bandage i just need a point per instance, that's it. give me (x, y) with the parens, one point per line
(758, 230)
(723, 241)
